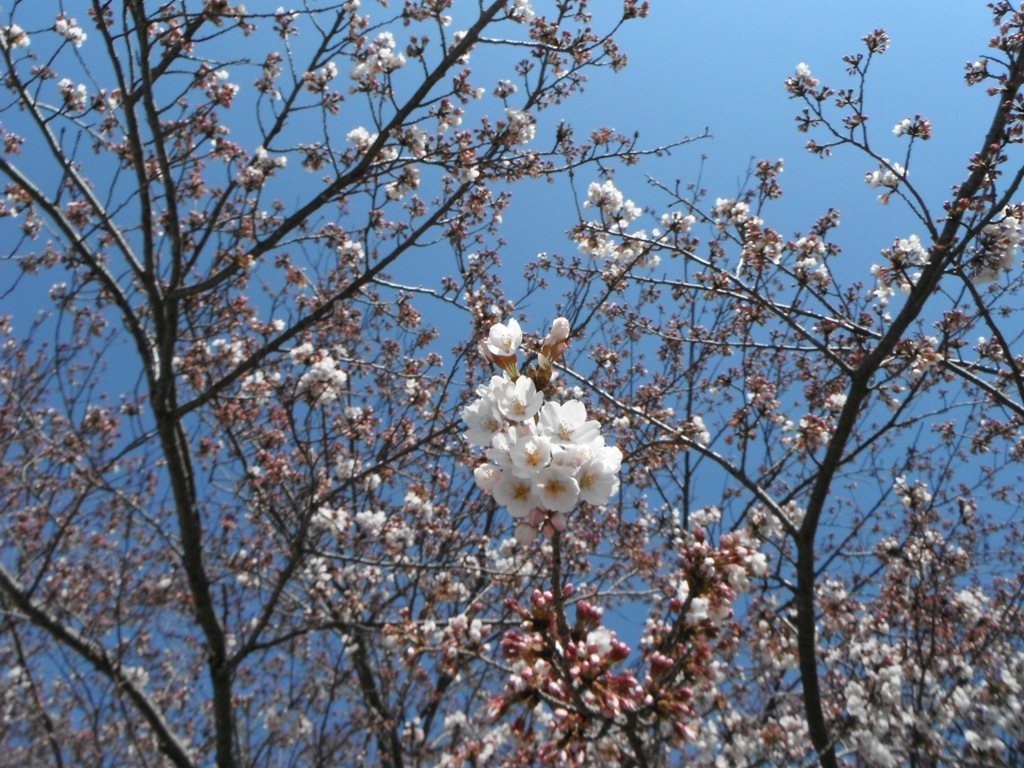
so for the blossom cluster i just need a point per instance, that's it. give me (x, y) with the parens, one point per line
(74, 95)
(802, 83)
(907, 257)
(254, 175)
(377, 58)
(571, 674)
(612, 203)
(70, 31)
(998, 246)
(919, 127)
(545, 456)
(521, 126)
(323, 380)
(611, 239)
(888, 176)
(963, 711)
(522, 12)
(13, 37)
(578, 674)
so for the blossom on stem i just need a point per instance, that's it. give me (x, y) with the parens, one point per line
(889, 175)
(530, 454)
(802, 83)
(14, 37)
(483, 420)
(997, 246)
(505, 339)
(517, 494)
(559, 333)
(70, 31)
(598, 477)
(919, 127)
(567, 422)
(545, 456)
(520, 400)
(558, 490)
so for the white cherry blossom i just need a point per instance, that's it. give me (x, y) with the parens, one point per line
(521, 400)
(483, 420)
(517, 494)
(598, 477)
(530, 454)
(545, 457)
(567, 422)
(558, 490)
(505, 339)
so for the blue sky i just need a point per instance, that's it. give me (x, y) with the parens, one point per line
(721, 66)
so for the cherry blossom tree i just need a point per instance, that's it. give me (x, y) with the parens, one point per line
(237, 525)
(856, 432)
(291, 478)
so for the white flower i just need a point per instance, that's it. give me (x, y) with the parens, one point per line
(700, 431)
(520, 401)
(559, 332)
(598, 477)
(483, 420)
(408, 181)
(530, 455)
(323, 382)
(682, 590)
(998, 246)
(522, 11)
(74, 95)
(836, 402)
(380, 57)
(361, 138)
(500, 451)
(487, 476)
(567, 422)
(504, 339)
(888, 175)
(677, 221)
(301, 354)
(327, 72)
(70, 31)
(521, 126)
(568, 456)
(612, 204)
(544, 457)
(558, 489)
(730, 211)
(517, 494)
(351, 249)
(802, 82)
(387, 59)
(601, 640)
(371, 522)
(335, 520)
(346, 468)
(604, 197)
(698, 609)
(14, 37)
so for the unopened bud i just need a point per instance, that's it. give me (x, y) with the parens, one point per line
(559, 332)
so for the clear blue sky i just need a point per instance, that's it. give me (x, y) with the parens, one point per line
(722, 66)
